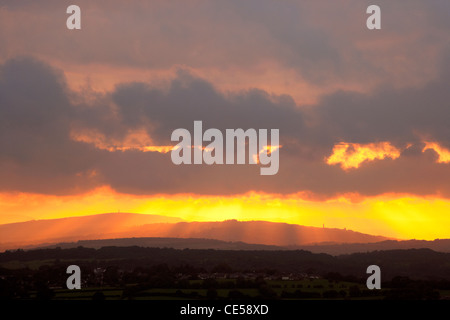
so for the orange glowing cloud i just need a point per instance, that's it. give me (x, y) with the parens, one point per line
(443, 153)
(269, 149)
(135, 140)
(352, 155)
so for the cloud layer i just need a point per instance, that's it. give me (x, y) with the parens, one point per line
(310, 69)
(301, 48)
(40, 118)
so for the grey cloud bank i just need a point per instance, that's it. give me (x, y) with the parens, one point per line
(39, 154)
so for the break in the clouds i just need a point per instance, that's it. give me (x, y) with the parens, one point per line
(57, 141)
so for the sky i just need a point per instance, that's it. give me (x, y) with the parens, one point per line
(86, 115)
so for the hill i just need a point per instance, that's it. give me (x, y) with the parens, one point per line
(129, 225)
(21, 234)
(438, 245)
(174, 243)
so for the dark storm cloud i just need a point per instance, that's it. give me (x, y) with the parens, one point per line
(401, 116)
(38, 154)
(189, 99)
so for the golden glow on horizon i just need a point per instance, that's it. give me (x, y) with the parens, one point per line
(398, 216)
(443, 153)
(352, 155)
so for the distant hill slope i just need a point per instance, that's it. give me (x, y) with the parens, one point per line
(260, 232)
(439, 245)
(128, 225)
(97, 226)
(175, 243)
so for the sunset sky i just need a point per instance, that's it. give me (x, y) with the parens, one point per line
(86, 115)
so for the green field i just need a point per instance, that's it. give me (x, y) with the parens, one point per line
(315, 287)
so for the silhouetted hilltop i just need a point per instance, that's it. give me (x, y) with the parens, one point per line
(174, 243)
(128, 225)
(14, 235)
(440, 245)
